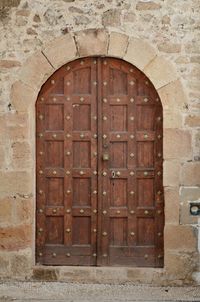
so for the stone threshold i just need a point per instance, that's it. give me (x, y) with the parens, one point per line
(101, 275)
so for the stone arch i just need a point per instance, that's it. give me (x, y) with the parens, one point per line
(93, 42)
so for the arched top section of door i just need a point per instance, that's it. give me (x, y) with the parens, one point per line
(57, 83)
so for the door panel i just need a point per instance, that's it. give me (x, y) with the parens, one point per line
(99, 167)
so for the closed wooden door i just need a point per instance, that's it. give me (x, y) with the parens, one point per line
(99, 167)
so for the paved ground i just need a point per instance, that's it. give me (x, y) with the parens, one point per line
(60, 292)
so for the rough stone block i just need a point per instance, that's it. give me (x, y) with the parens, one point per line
(111, 17)
(172, 118)
(172, 205)
(64, 46)
(16, 237)
(188, 194)
(169, 47)
(172, 96)
(21, 155)
(22, 96)
(6, 211)
(14, 182)
(180, 266)
(192, 121)
(150, 5)
(190, 174)
(177, 144)
(171, 175)
(24, 210)
(21, 263)
(180, 237)
(139, 53)
(92, 42)
(117, 44)
(35, 70)
(161, 72)
(17, 125)
(4, 264)
(45, 274)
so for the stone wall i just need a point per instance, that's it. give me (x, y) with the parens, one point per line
(159, 37)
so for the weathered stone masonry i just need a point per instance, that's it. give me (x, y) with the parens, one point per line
(161, 38)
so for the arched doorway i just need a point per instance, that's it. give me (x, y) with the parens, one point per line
(99, 166)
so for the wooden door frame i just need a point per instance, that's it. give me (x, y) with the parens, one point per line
(38, 67)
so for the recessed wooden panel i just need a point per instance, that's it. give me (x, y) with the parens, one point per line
(145, 154)
(55, 233)
(81, 117)
(145, 192)
(54, 117)
(118, 154)
(54, 153)
(82, 81)
(81, 233)
(118, 192)
(118, 118)
(145, 117)
(81, 154)
(118, 231)
(81, 191)
(118, 83)
(54, 191)
(145, 231)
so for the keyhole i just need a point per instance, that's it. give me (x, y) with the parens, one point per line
(113, 174)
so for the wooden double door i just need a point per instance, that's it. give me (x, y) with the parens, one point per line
(99, 167)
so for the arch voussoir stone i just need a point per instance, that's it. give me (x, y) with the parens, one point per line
(92, 42)
(117, 44)
(61, 50)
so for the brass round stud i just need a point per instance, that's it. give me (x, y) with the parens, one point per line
(68, 191)
(68, 67)
(94, 255)
(105, 255)
(68, 83)
(146, 136)
(82, 135)
(40, 210)
(118, 100)
(146, 100)
(159, 173)
(68, 211)
(131, 136)
(68, 153)
(95, 135)
(52, 82)
(159, 212)
(67, 172)
(54, 172)
(40, 254)
(40, 134)
(68, 135)
(104, 233)
(118, 173)
(105, 118)
(159, 234)
(54, 100)
(132, 192)
(105, 100)
(159, 154)
(41, 152)
(132, 173)
(41, 99)
(104, 136)
(41, 117)
(132, 118)
(132, 212)
(132, 155)
(67, 117)
(94, 211)
(54, 135)
(94, 230)
(104, 193)
(132, 100)
(68, 254)
(40, 230)
(104, 212)
(54, 211)
(40, 172)
(146, 212)
(132, 83)
(68, 230)
(95, 192)
(145, 173)
(81, 173)
(105, 83)
(132, 234)
(118, 136)
(146, 256)
(81, 211)
(40, 192)
(104, 173)
(118, 212)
